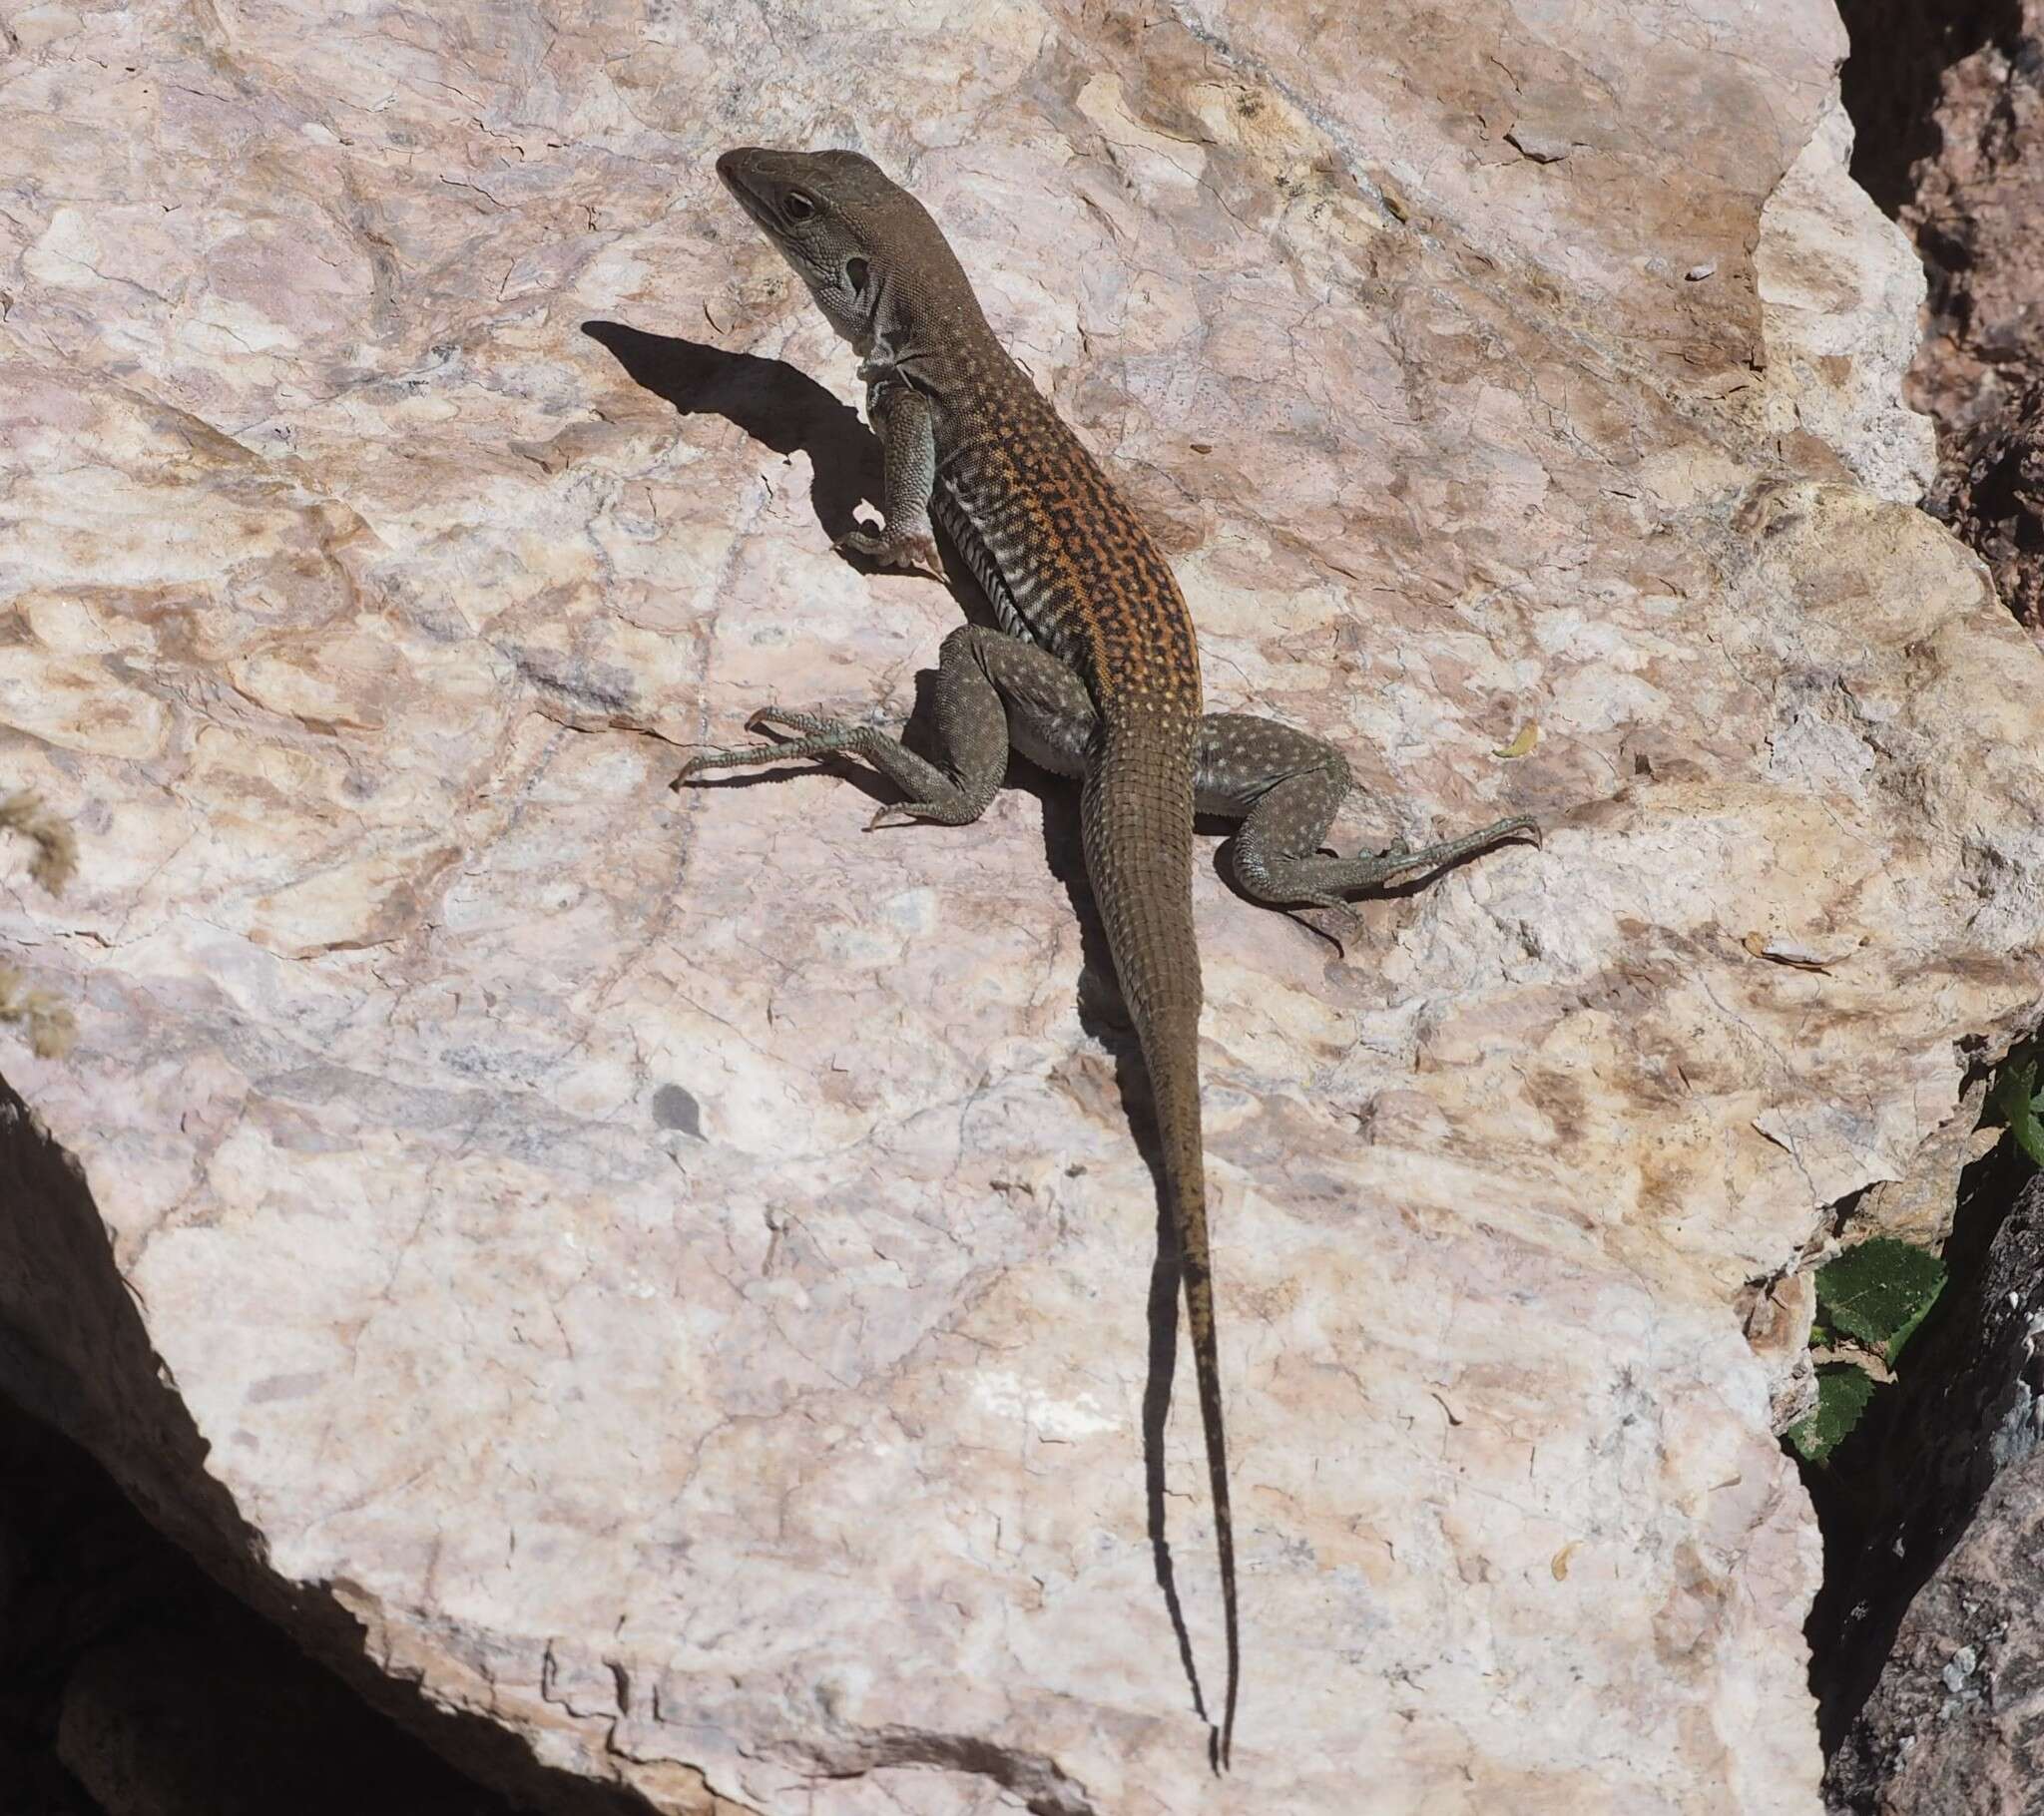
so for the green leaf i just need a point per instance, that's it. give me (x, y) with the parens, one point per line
(1879, 1291)
(1843, 1392)
(1893, 1346)
(2015, 1097)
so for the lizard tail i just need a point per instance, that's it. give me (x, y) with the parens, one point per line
(1200, 1311)
(1136, 820)
(1185, 1187)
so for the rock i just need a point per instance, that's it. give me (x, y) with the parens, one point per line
(1777, 1316)
(1539, 144)
(1993, 497)
(666, 1274)
(1974, 204)
(1842, 298)
(1918, 1207)
(1950, 1724)
(1953, 101)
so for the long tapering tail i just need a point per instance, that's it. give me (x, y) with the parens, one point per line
(1173, 1062)
(1199, 1312)
(1137, 819)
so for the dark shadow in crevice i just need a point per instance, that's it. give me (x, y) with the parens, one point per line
(1900, 50)
(1897, 1494)
(123, 1665)
(74, 1357)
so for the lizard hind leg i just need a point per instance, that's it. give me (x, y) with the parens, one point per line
(995, 692)
(989, 688)
(1284, 789)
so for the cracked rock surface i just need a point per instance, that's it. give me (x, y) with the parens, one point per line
(668, 1272)
(1951, 96)
(1929, 1623)
(1952, 1724)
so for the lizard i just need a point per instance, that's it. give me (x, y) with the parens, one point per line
(1093, 672)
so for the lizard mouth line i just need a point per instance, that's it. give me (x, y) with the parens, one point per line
(734, 179)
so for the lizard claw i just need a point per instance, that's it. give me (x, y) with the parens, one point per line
(1341, 923)
(901, 813)
(915, 550)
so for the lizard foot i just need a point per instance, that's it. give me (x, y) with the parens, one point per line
(913, 814)
(915, 550)
(821, 738)
(1374, 871)
(786, 718)
(1343, 923)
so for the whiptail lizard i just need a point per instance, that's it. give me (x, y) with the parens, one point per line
(1094, 672)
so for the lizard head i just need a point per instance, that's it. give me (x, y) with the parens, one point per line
(867, 248)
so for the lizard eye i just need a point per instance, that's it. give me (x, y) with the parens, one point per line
(799, 206)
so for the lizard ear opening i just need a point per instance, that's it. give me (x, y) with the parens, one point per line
(856, 274)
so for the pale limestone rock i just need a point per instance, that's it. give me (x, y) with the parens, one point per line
(674, 1267)
(1777, 1316)
(1919, 1206)
(1841, 295)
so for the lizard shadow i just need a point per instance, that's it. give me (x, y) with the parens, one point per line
(775, 404)
(788, 412)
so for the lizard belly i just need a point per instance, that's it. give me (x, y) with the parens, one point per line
(986, 569)
(1021, 602)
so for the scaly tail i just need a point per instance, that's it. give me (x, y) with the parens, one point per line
(1137, 819)
(1175, 1053)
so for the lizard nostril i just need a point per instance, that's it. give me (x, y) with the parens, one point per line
(731, 166)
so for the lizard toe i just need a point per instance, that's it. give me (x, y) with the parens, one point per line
(918, 555)
(912, 813)
(912, 550)
(1342, 923)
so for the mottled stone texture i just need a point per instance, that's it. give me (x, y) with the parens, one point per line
(1941, 1603)
(1958, 1719)
(1950, 95)
(673, 1269)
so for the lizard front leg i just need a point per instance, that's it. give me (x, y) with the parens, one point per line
(1284, 787)
(901, 416)
(992, 690)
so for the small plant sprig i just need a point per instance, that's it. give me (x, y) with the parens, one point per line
(1870, 1302)
(1871, 1299)
(2017, 1099)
